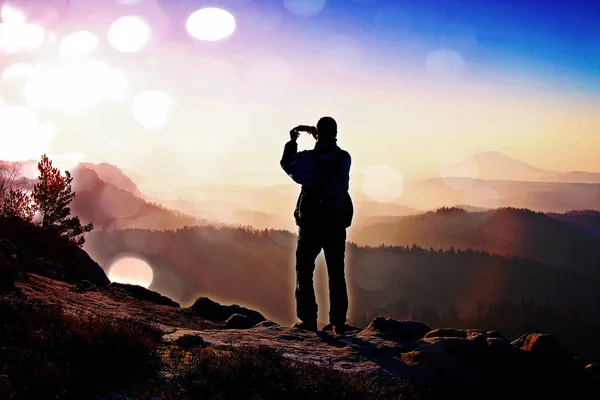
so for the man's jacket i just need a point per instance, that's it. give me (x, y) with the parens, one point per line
(324, 174)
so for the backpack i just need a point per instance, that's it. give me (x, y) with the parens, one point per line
(320, 207)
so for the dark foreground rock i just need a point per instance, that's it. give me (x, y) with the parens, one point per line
(215, 312)
(239, 321)
(73, 264)
(443, 363)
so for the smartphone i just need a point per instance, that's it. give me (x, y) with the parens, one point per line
(305, 128)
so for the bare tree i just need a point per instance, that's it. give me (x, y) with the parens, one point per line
(10, 174)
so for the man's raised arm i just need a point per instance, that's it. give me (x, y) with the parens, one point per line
(297, 165)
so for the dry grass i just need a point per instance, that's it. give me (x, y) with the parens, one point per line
(262, 373)
(47, 353)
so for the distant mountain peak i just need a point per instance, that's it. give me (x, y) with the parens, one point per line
(495, 165)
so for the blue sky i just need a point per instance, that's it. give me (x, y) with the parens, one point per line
(558, 42)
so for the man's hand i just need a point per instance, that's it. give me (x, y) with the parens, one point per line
(294, 133)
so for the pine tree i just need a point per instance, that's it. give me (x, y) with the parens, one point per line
(52, 196)
(17, 203)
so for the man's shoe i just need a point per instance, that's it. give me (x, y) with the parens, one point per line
(305, 326)
(343, 329)
(328, 328)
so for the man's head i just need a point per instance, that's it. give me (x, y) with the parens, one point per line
(327, 129)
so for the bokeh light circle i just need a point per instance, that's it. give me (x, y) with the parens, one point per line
(131, 270)
(211, 24)
(382, 183)
(18, 38)
(16, 72)
(12, 15)
(78, 44)
(445, 63)
(304, 8)
(152, 109)
(129, 34)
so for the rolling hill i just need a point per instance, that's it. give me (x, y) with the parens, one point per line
(111, 207)
(566, 240)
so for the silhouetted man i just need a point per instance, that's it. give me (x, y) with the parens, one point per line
(323, 212)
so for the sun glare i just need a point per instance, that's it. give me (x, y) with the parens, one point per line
(129, 34)
(152, 109)
(131, 270)
(78, 44)
(211, 24)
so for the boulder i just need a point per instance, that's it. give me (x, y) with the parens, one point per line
(447, 332)
(141, 293)
(82, 267)
(215, 312)
(462, 333)
(266, 324)
(397, 330)
(593, 368)
(189, 341)
(238, 321)
(542, 345)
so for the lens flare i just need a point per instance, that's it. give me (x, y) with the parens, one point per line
(78, 44)
(152, 109)
(382, 183)
(211, 24)
(131, 270)
(129, 34)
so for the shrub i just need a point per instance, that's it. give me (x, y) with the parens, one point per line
(47, 353)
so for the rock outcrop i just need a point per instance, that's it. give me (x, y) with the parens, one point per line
(448, 363)
(73, 264)
(141, 293)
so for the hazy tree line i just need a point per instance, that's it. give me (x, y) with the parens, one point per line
(256, 268)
